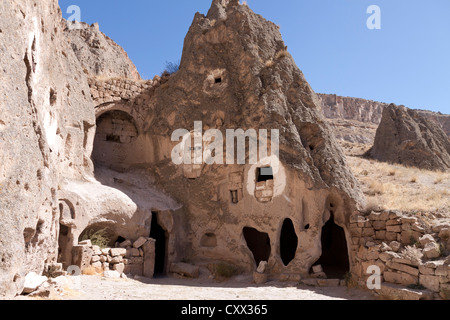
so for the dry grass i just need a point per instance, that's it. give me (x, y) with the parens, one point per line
(412, 253)
(397, 187)
(91, 271)
(281, 54)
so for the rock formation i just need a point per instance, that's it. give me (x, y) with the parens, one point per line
(235, 73)
(98, 54)
(407, 138)
(48, 194)
(356, 120)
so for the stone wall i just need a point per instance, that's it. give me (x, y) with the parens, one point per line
(131, 258)
(116, 89)
(407, 251)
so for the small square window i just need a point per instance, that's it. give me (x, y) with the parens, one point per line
(218, 80)
(264, 174)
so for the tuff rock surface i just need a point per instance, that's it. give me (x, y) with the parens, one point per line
(407, 138)
(98, 54)
(48, 193)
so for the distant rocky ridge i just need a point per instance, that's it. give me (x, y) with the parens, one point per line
(356, 120)
(406, 137)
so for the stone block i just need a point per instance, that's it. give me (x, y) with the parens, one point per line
(400, 278)
(424, 240)
(426, 270)
(393, 222)
(116, 260)
(404, 268)
(431, 251)
(81, 256)
(116, 252)
(391, 236)
(95, 259)
(379, 216)
(396, 229)
(379, 225)
(96, 250)
(430, 282)
(380, 235)
(388, 255)
(410, 220)
(126, 243)
(149, 258)
(368, 232)
(119, 267)
(106, 251)
(395, 245)
(442, 271)
(260, 278)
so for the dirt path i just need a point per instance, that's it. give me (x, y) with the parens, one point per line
(97, 288)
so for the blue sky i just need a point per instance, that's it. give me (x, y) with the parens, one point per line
(406, 62)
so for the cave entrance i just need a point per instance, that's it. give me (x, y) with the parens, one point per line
(65, 240)
(288, 242)
(258, 243)
(161, 236)
(334, 259)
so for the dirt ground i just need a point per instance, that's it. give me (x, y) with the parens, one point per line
(169, 288)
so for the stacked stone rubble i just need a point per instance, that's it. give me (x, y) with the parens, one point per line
(405, 251)
(133, 258)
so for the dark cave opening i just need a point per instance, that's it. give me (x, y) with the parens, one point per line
(258, 243)
(334, 259)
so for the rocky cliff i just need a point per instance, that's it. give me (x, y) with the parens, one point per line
(356, 120)
(98, 54)
(46, 122)
(407, 138)
(47, 129)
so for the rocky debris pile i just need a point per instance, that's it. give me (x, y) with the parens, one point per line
(406, 138)
(98, 54)
(407, 252)
(133, 258)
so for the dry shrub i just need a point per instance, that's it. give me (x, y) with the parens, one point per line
(413, 179)
(413, 253)
(90, 271)
(376, 188)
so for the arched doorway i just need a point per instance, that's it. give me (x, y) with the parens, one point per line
(334, 259)
(161, 236)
